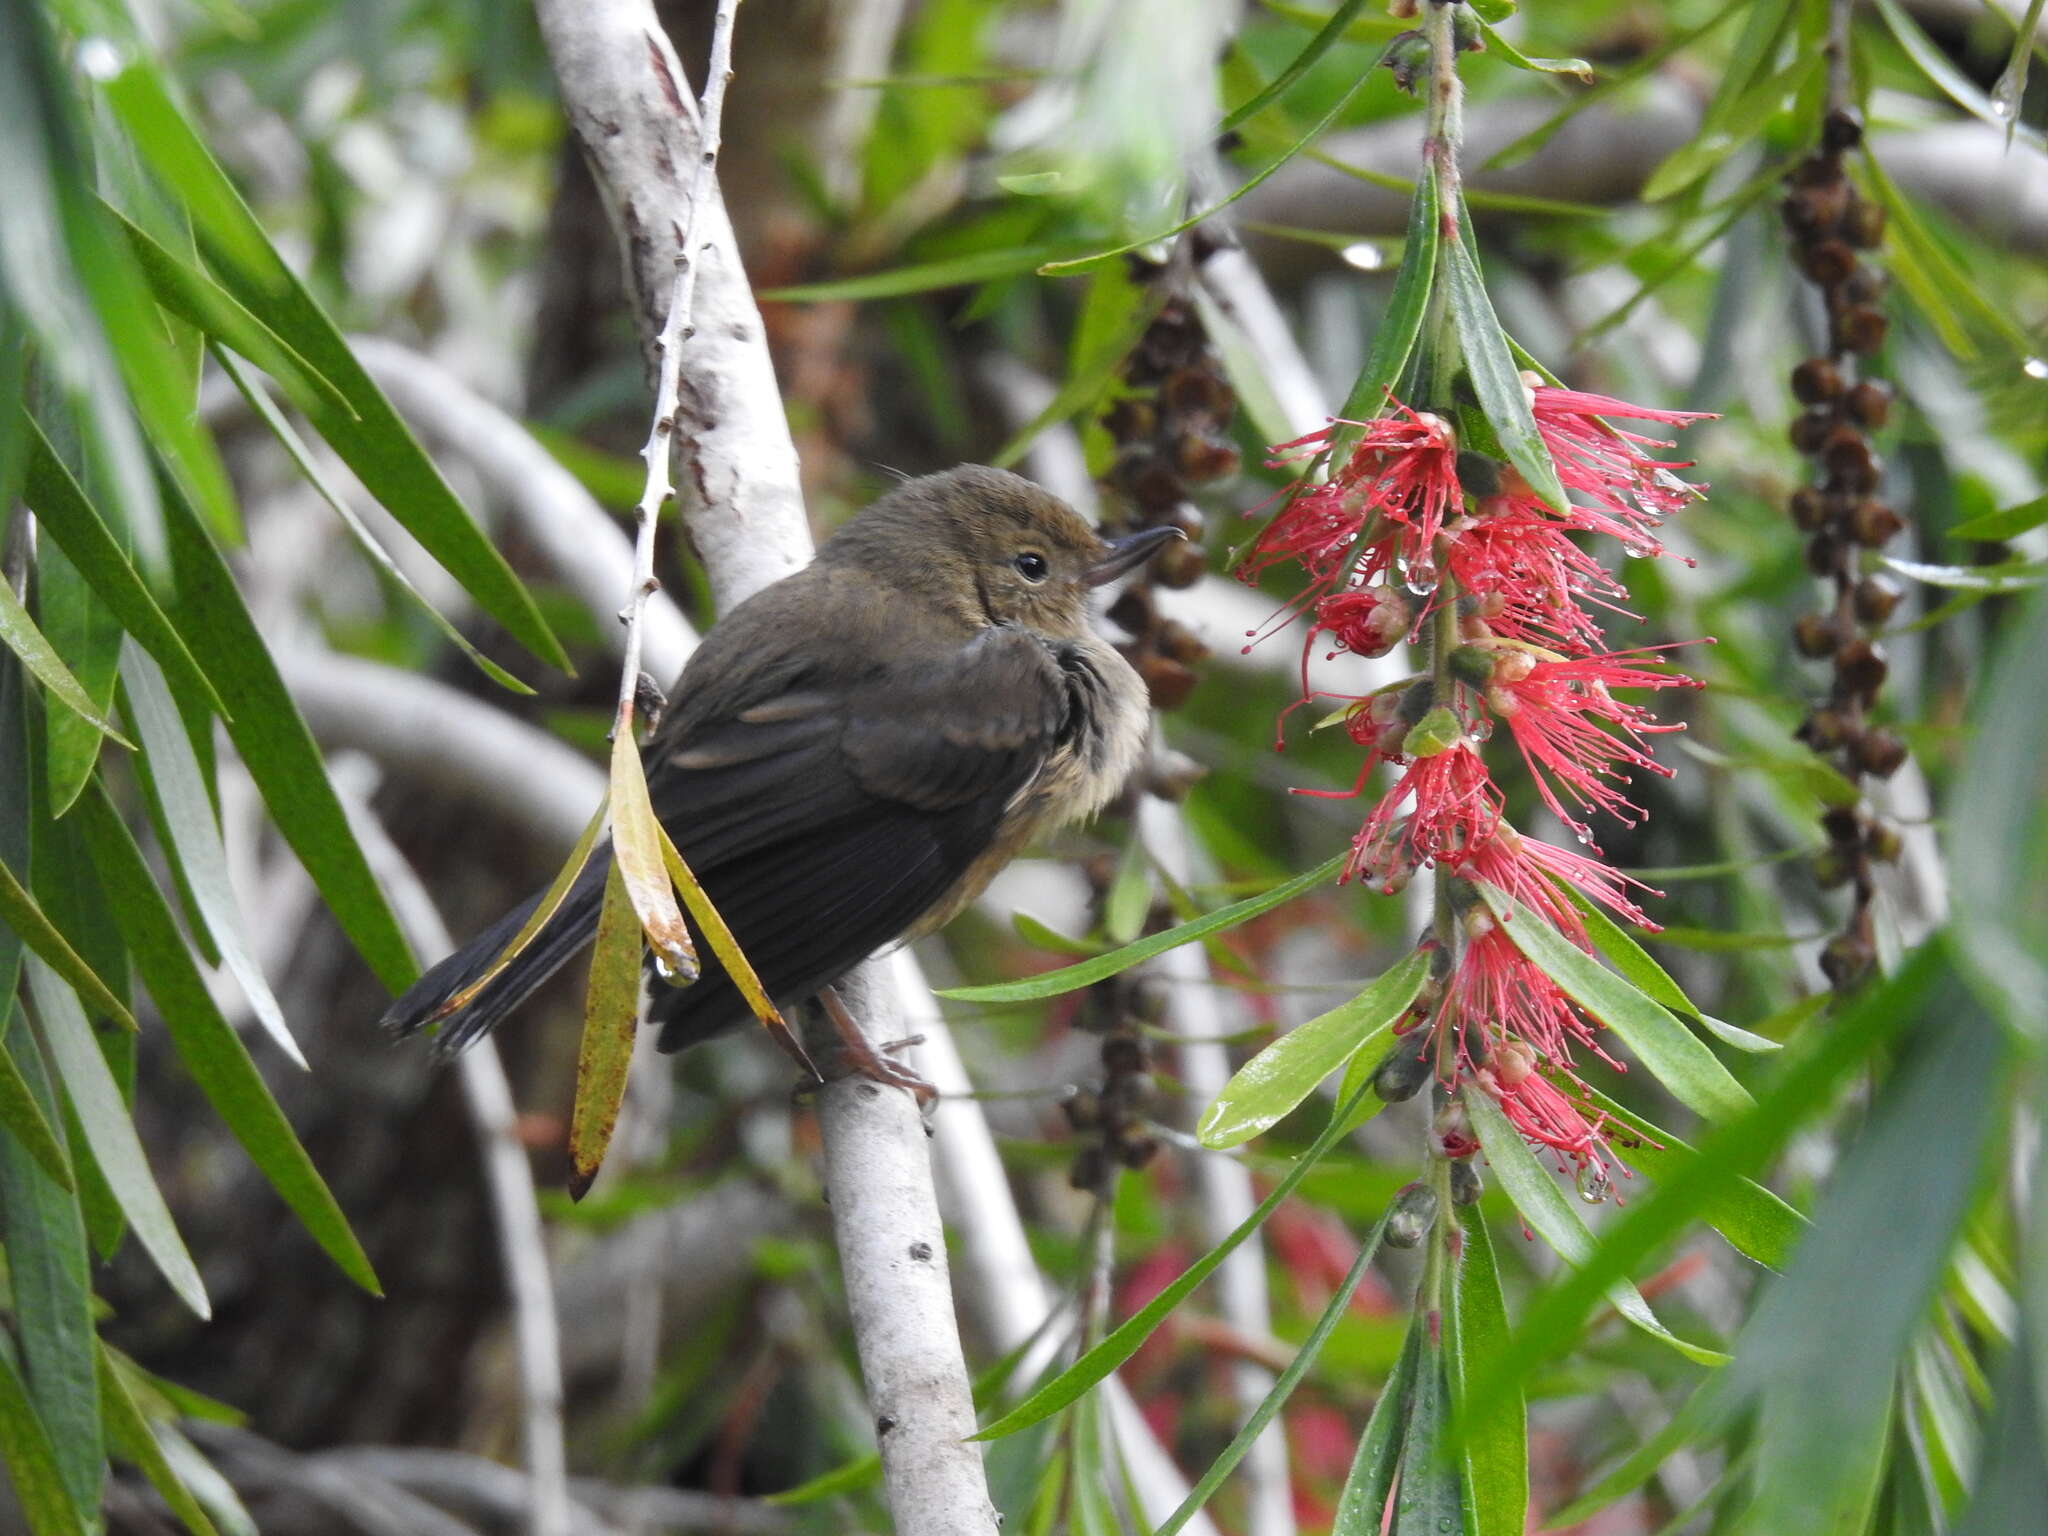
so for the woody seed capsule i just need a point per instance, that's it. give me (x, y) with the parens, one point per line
(1870, 402)
(1809, 510)
(1816, 381)
(1876, 597)
(1873, 523)
(1886, 844)
(1865, 223)
(1861, 667)
(1880, 753)
(1815, 634)
(1810, 429)
(1829, 262)
(1861, 329)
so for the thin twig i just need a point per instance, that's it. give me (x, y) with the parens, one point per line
(676, 329)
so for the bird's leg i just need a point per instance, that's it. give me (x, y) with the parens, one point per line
(862, 1056)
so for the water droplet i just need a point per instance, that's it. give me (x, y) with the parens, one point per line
(1364, 255)
(1480, 730)
(1594, 1185)
(2035, 367)
(1420, 578)
(1443, 1522)
(2005, 97)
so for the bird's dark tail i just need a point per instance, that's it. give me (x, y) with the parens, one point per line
(557, 943)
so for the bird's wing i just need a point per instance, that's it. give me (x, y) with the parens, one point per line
(825, 819)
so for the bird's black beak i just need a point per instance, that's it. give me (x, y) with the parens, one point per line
(1130, 552)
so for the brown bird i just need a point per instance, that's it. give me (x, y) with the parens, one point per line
(854, 751)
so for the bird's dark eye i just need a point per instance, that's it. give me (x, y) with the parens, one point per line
(1032, 567)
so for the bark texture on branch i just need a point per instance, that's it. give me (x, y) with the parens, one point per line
(628, 101)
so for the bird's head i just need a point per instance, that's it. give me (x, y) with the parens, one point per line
(991, 548)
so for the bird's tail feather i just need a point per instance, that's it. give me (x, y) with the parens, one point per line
(560, 939)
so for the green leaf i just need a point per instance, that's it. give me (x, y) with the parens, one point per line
(1494, 375)
(611, 1018)
(1268, 1087)
(1332, 31)
(1938, 67)
(24, 1120)
(1129, 897)
(1496, 44)
(1673, 1054)
(1543, 1205)
(1494, 1447)
(1755, 1221)
(19, 634)
(260, 402)
(1315, 131)
(925, 277)
(110, 1132)
(1073, 977)
(1394, 342)
(18, 910)
(195, 839)
(61, 508)
(1282, 1389)
(84, 631)
(278, 750)
(1432, 1499)
(1884, 1233)
(2009, 523)
(49, 1279)
(1643, 973)
(1113, 317)
(1123, 1342)
(209, 1048)
(636, 854)
(1370, 1484)
(1735, 1150)
(132, 1438)
(192, 296)
(31, 1461)
(367, 433)
(1041, 936)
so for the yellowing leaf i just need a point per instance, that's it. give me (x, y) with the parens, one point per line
(611, 1016)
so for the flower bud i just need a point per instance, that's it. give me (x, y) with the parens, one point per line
(1413, 1215)
(1876, 597)
(1880, 753)
(1437, 731)
(1367, 623)
(1473, 664)
(1452, 1127)
(1513, 1063)
(1466, 1184)
(1401, 1073)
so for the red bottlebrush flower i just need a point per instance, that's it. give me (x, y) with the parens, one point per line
(1457, 807)
(1531, 578)
(1546, 1117)
(1623, 490)
(1536, 874)
(1553, 707)
(1367, 623)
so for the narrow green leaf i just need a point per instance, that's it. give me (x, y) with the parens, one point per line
(24, 1120)
(1651, 979)
(1432, 1500)
(1496, 44)
(31, 1461)
(192, 296)
(278, 750)
(1123, 1342)
(1315, 131)
(1268, 1087)
(1361, 1507)
(1040, 935)
(1543, 1205)
(611, 1017)
(267, 411)
(195, 837)
(925, 277)
(18, 910)
(84, 631)
(1129, 897)
(19, 634)
(2012, 576)
(1282, 1389)
(1735, 1150)
(1073, 977)
(130, 1434)
(110, 1132)
(1495, 378)
(1495, 1444)
(2008, 523)
(1331, 31)
(1938, 67)
(49, 1281)
(1394, 342)
(1113, 317)
(368, 433)
(209, 1048)
(61, 509)
(1673, 1054)
(1755, 1221)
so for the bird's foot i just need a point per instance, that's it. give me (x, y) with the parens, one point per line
(862, 1058)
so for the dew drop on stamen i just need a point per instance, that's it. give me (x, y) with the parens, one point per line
(1594, 1185)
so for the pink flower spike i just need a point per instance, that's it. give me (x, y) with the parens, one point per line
(1536, 875)
(1623, 491)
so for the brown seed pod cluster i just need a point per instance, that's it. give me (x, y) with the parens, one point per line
(1832, 227)
(1111, 1117)
(1169, 425)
